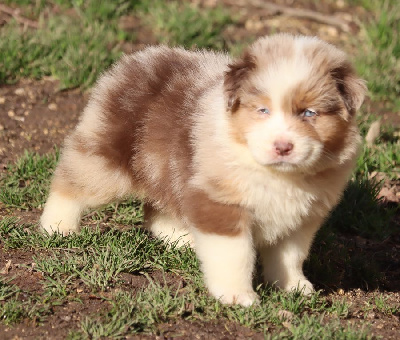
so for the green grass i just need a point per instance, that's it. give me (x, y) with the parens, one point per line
(76, 48)
(360, 212)
(95, 260)
(6, 289)
(33, 308)
(379, 58)
(13, 309)
(380, 303)
(26, 182)
(128, 212)
(159, 304)
(72, 50)
(384, 155)
(183, 24)
(90, 9)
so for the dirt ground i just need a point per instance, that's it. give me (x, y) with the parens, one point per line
(35, 115)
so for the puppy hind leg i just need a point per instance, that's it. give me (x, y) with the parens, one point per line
(64, 206)
(62, 213)
(81, 181)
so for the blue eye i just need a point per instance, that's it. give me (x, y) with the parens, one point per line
(263, 110)
(309, 113)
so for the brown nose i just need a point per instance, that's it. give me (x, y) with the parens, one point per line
(283, 148)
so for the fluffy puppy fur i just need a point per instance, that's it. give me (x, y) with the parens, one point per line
(231, 156)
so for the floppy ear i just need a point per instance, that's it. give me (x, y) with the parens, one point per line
(234, 78)
(351, 88)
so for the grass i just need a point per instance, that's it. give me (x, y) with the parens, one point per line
(182, 24)
(384, 155)
(360, 211)
(6, 290)
(71, 50)
(94, 260)
(381, 304)
(27, 181)
(13, 309)
(158, 304)
(92, 10)
(76, 48)
(379, 58)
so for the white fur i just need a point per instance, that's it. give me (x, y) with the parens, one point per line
(153, 166)
(227, 263)
(99, 186)
(61, 214)
(283, 261)
(276, 83)
(170, 229)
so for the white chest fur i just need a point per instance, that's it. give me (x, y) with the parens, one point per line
(281, 204)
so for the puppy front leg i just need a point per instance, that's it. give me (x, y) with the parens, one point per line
(224, 246)
(283, 262)
(227, 263)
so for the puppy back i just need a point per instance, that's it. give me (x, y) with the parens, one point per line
(145, 107)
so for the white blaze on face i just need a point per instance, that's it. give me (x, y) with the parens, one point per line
(279, 139)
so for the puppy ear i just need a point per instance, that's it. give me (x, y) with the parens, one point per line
(234, 78)
(351, 88)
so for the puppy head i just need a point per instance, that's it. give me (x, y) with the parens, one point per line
(292, 101)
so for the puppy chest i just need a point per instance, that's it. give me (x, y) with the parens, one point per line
(279, 210)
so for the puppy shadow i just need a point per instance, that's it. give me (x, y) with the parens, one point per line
(358, 246)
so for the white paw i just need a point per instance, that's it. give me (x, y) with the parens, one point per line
(244, 299)
(61, 215)
(59, 227)
(303, 285)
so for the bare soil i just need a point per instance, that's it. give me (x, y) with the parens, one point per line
(35, 115)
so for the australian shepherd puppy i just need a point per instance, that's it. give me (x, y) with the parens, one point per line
(232, 156)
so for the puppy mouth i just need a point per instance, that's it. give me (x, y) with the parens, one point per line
(285, 160)
(293, 162)
(283, 165)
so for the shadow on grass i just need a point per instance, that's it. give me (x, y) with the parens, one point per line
(356, 247)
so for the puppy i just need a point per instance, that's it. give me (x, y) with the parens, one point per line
(230, 156)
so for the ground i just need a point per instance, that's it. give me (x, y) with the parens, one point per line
(35, 115)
